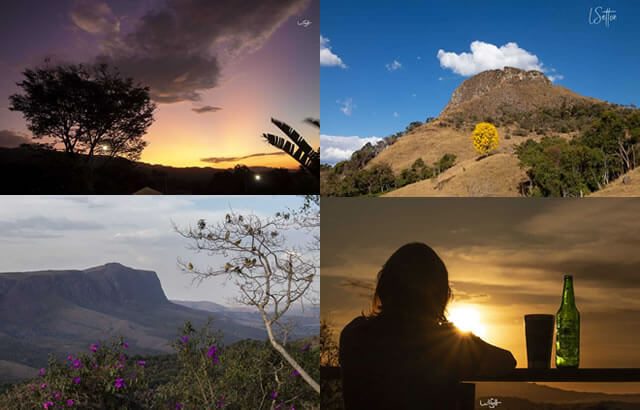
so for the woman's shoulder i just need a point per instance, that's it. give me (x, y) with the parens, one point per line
(359, 323)
(358, 326)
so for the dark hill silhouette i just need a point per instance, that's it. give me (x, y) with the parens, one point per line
(515, 403)
(35, 170)
(545, 394)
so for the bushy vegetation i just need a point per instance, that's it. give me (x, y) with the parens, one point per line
(576, 116)
(558, 167)
(331, 393)
(380, 178)
(203, 374)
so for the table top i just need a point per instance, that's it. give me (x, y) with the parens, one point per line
(542, 375)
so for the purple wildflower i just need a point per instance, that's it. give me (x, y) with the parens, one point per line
(213, 354)
(274, 395)
(47, 405)
(141, 363)
(42, 372)
(43, 386)
(76, 363)
(69, 358)
(94, 347)
(119, 383)
(306, 347)
(179, 406)
(295, 373)
(125, 345)
(76, 380)
(70, 403)
(220, 403)
(57, 395)
(184, 339)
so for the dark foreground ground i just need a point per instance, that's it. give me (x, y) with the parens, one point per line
(34, 171)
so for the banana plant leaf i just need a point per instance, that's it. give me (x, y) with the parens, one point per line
(298, 148)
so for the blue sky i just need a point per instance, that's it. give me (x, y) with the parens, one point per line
(365, 94)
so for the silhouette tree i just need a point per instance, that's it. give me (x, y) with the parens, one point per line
(300, 150)
(90, 109)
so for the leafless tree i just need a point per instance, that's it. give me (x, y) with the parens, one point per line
(271, 273)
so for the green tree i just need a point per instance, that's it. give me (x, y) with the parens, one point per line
(379, 178)
(559, 168)
(445, 162)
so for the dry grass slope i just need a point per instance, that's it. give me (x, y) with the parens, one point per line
(496, 175)
(626, 186)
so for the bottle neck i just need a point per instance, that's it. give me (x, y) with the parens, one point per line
(568, 298)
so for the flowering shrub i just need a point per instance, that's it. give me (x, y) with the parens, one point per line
(246, 375)
(485, 138)
(201, 375)
(103, 378)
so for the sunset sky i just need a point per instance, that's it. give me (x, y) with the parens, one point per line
(218, 71)
(506, 258)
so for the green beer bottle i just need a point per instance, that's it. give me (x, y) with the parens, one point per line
(568, 328)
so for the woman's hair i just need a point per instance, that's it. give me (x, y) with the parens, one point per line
(413, 281)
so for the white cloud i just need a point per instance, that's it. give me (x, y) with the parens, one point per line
(395, 114)
(334, 149)
(327, 57)
(346, 106)
(486, 56)
(394, 65)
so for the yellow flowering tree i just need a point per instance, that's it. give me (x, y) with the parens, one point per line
(485, 138)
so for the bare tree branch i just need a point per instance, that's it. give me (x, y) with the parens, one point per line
(271, 274)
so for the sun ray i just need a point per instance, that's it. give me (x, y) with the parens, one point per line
(467, 318)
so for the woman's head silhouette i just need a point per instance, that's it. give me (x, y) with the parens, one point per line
(413, 284)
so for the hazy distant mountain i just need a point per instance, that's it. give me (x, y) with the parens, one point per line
(202, 305)
(525, 396)
(65, 311)
(305, 322)
(514, 403)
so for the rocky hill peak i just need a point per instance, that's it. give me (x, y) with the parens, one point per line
(113, 286)
(483, 83)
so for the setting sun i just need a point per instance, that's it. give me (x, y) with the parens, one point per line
(467, 319)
